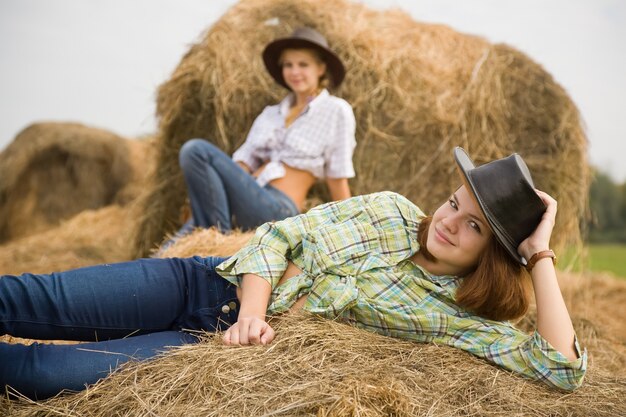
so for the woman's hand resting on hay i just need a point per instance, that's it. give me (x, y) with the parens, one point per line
(249, 331)
(251, 327)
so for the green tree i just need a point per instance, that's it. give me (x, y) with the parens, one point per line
(607, 202)
(622, 194)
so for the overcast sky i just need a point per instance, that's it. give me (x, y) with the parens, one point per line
(99, 62)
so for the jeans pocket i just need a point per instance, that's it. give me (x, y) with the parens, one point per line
(214, 319)
(212, 303)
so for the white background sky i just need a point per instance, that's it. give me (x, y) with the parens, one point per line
(99, 62)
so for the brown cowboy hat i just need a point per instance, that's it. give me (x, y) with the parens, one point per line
(506, 195)
(303, 37)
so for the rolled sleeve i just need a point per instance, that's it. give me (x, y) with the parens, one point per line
(248, 153)
(265, 255)
(272, 246)
(529, 355)
(259, 260)
(275, 243)
(547, 364)
(339, 156)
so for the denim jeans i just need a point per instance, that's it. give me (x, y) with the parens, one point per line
(127, 311)
(219, 190)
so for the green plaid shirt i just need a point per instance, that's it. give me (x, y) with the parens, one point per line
(354, 255)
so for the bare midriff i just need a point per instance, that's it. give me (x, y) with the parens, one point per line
(295, 184)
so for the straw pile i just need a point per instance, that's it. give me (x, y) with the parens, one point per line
(89, 238)
(318, 367)
(53, 171)
(417, 91)
(323, 368)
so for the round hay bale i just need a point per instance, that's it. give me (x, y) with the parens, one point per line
(91, 237)
(417, 90)
(52, 171)
(206, 242)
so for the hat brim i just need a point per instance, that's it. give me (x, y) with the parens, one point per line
(272, 52)
(465, 165)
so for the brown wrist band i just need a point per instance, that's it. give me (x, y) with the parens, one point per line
(540, 255)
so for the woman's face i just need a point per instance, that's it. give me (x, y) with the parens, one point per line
(302, 70)
(458, 234)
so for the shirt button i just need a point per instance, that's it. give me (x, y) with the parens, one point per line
(232, 305)
(225, 309)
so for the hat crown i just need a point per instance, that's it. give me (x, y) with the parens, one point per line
(310, 35)
(302, 37)
(505, 192)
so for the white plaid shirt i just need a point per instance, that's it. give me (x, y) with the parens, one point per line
(320, 140)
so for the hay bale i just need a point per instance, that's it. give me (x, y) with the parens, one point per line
(89, 238)
(324, 368)
(52, 171)
(417, 90)
(318, 367)
(207, 242)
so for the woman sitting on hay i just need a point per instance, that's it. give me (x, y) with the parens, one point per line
(375, 261)
(308, 135)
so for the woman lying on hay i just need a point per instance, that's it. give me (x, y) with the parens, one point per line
(375, 261)
(309, 135)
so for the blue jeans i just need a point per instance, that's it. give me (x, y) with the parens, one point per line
(127, 311)
(219, 190)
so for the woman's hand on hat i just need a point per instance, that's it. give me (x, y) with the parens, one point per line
(539, 239)
(249, 331)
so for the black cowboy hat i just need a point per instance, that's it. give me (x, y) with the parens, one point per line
(303, 37)
(506, 195)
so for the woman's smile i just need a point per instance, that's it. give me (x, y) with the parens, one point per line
(302, 71)
(457, 235)
(442, 237)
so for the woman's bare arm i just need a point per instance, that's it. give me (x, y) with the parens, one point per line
(339, 188)
(244, 166)
(251, 327)
(553, 320)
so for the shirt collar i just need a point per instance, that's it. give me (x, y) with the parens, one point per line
(285, 104)
(442, 280)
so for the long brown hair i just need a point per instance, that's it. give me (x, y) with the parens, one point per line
(497, 289)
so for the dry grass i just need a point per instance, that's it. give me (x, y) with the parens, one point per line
(417, 90)
(91, 237)
(53, 171)
(322, 368)
(207, 242)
